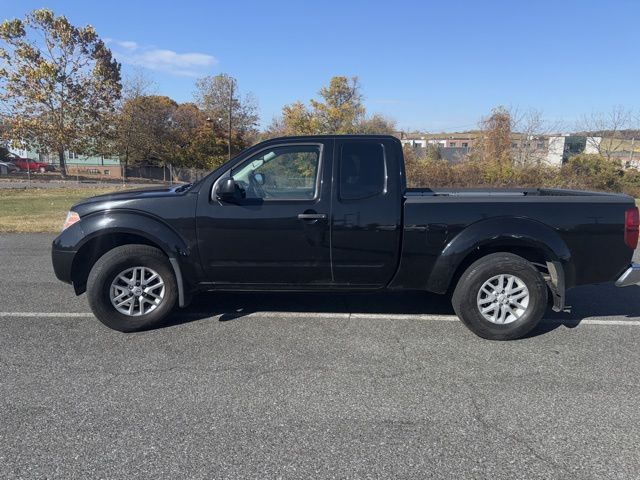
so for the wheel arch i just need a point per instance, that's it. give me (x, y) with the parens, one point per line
(110, 230)
(530, 239)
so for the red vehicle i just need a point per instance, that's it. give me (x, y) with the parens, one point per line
(29, 164)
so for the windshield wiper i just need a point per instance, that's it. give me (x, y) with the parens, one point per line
(184, 187)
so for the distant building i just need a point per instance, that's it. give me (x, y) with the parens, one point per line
(86, 165)
(550, 149)
(445, 140)
(562, 147)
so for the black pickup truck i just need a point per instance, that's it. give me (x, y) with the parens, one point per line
(333, 213)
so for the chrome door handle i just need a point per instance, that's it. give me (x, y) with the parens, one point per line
(312, 216)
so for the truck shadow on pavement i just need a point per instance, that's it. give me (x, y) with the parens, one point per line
(587, 302)
(604, 301)
(232, 305)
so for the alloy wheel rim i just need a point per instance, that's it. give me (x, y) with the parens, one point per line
(503, 299)
(137, 291)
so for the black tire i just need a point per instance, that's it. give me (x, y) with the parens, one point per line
(465, 296)
(114, 262)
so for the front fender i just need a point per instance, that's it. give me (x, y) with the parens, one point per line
(99, 229)
(495, 233)
(117, 222)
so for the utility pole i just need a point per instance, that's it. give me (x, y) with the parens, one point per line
(231, 82)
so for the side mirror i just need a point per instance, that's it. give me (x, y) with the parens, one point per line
(259, 178)
(229, 191)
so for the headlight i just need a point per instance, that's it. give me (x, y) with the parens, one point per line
(72, 217)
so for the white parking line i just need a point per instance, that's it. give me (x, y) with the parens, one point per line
(325, 315)
(407, 316)
(46, 314)
(594, 321)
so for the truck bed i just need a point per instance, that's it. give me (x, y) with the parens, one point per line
(514, 194)
(589, 226)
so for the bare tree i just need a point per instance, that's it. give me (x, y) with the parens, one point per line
(131, 116)
(634, 157)
(494, 143)
(376, 124)
(532, 137)
(228, 112)
(605, 131)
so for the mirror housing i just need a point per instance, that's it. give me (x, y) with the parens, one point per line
(229, 191)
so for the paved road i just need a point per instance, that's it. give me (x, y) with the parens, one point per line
(252, 386)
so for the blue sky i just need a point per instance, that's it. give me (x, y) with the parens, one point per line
(435, 66)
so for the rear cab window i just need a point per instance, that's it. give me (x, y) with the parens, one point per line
(362, 170)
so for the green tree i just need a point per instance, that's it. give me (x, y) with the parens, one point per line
(59, 85)
(340, 110)
(156, 129)
(130, 119)
(145, 131)
(593, 171)
(232, 117)
(298, 120)
(192, 137)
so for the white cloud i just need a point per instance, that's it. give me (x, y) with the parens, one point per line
(128, 44)
(189, 64)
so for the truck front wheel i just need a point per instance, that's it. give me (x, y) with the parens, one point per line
(132, 287)
(500, 297)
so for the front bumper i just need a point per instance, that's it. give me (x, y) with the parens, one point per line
(63, 251)
(631, 276)
(62, 261)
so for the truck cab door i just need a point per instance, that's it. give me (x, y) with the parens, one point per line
(276, 234)
(366, 217)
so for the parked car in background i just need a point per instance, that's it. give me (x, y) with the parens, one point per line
(7, 167)
(27, 164)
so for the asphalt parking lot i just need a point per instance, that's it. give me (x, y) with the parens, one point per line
(311, 386)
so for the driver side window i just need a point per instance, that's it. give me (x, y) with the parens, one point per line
(280, 173)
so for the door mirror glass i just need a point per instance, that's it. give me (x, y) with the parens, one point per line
(229, 191)
(259, 178)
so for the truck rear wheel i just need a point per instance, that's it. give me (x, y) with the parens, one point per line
(132, 287)
(500, 297)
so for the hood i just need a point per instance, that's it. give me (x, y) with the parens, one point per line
(126, 198)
